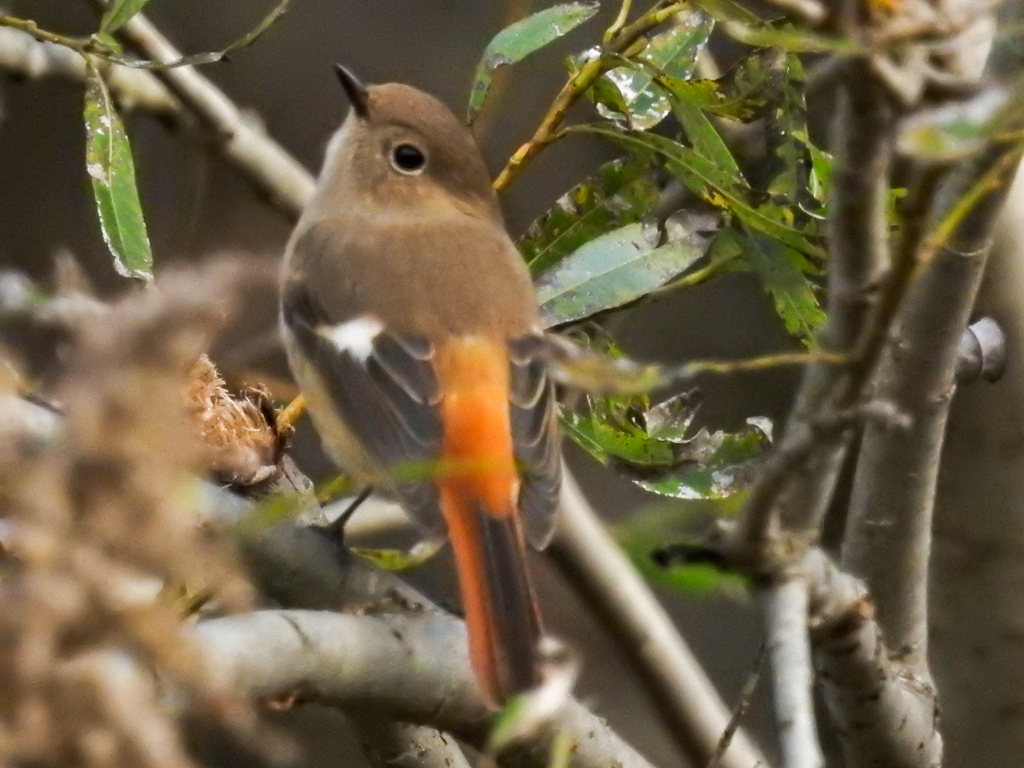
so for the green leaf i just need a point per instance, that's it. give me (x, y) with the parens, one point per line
(746, 92)
(620, 192)
(651, 447)
(108, 160)
(107, 44)
(670, 54)
(786, 127)
(721, 464)
(704, 138)
(118, 13)
(792, 39)
(609, 430)
(784, 273)
(619, 267)
(820, 181)
(519, 40)
(728, 10)
(718, 186)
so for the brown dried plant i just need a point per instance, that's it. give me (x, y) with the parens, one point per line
(96, 520)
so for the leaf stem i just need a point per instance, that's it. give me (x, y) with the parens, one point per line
(619, 23)
(616, 43)
(698, 276)
(290, 414)
(45, 36)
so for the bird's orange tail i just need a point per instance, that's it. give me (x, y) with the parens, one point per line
(479, 490)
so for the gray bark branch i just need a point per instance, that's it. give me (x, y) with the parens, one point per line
(786, 610)
(243, 142)
(407, 667)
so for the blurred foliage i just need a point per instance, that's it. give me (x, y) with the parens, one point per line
(647, 531)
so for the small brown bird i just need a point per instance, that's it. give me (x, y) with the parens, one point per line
(412, 328)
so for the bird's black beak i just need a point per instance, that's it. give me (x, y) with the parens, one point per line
(355, 90)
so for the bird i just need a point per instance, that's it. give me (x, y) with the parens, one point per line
(412, 329)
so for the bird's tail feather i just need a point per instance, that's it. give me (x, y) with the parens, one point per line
(501, 613)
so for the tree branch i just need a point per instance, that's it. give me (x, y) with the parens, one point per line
(244, 143)
(888, 533)
(785, 608)
(23, 55)
(412, 668)
(885, 714)
(858, 257)
(389, 744)
(302, 568)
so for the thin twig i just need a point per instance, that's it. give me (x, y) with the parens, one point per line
(620, 21)
(25, 55)
(29, 27)
(616, 45)
(742, 704)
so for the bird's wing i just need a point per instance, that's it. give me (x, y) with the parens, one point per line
(535, 437)
(384, 389)
(387, 391)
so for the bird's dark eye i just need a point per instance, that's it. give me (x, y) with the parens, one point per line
(408, 159)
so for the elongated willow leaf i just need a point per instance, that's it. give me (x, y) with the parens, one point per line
(620, 192)
(108, 161)
(619, 267)
(516, 42)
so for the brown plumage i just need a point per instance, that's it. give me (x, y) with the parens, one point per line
(407, 313)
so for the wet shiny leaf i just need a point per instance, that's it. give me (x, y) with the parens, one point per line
(617, 268)
(673, 54)
(721, 464)
(519, 40)
(628, 434)
(108, 161)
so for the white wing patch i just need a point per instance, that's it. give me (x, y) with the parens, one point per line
(354, 336)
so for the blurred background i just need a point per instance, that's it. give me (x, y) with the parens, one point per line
(196, 205)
